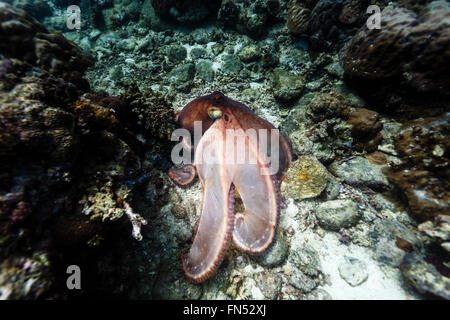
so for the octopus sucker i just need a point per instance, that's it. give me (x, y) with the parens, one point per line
(254, 229)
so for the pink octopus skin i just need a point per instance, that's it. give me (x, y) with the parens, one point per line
(251, 231)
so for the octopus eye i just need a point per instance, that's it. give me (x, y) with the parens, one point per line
(215, 113)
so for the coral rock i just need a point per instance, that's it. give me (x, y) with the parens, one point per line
(23, 37)
(305, 178)
(360, 171)
(423, 176)
(297, 17)
(337, 214)
(404, 48)
(351, 11)
(366, 126)
(324, 16)
(424, 277)
(287, 85)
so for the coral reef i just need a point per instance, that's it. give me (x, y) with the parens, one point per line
(319, 128)
(366, 127)
(249, 17)
(69, 150)
(423, 176)
(47, 153)
(24, 38)
(351, 11)
(414, 57)
(297, 16)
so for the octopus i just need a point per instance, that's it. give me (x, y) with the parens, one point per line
(256, 182)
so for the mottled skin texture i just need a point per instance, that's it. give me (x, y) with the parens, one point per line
(253, 230)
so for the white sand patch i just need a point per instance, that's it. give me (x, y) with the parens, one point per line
(209, 46)
(381, 284)
(217, 64)
(255, 85)
(189, 49)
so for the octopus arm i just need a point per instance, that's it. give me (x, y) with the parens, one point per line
(213, 235)
(254, 229)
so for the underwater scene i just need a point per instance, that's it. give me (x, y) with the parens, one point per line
(224, 149)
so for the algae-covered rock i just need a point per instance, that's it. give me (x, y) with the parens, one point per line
(176, 53)
(424, 277)
(287, 86)
(318, 294)
(276, 254)
(438, 230)
(250, 53)
(359, 171)
(197, 53)
(182, 74)
(422, 177)
(303, 283)
(337, 214)
(231, 64)
(248, 16)
(217, 48)
(306, 259)
(305, 178)
(205, 70)
(391, 241)
(269, 284)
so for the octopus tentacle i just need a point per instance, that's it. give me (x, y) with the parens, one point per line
(214, 232)
(199, 277)
(254, 229)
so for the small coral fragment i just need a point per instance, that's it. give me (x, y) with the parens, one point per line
(306, 178)
(136, 220)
